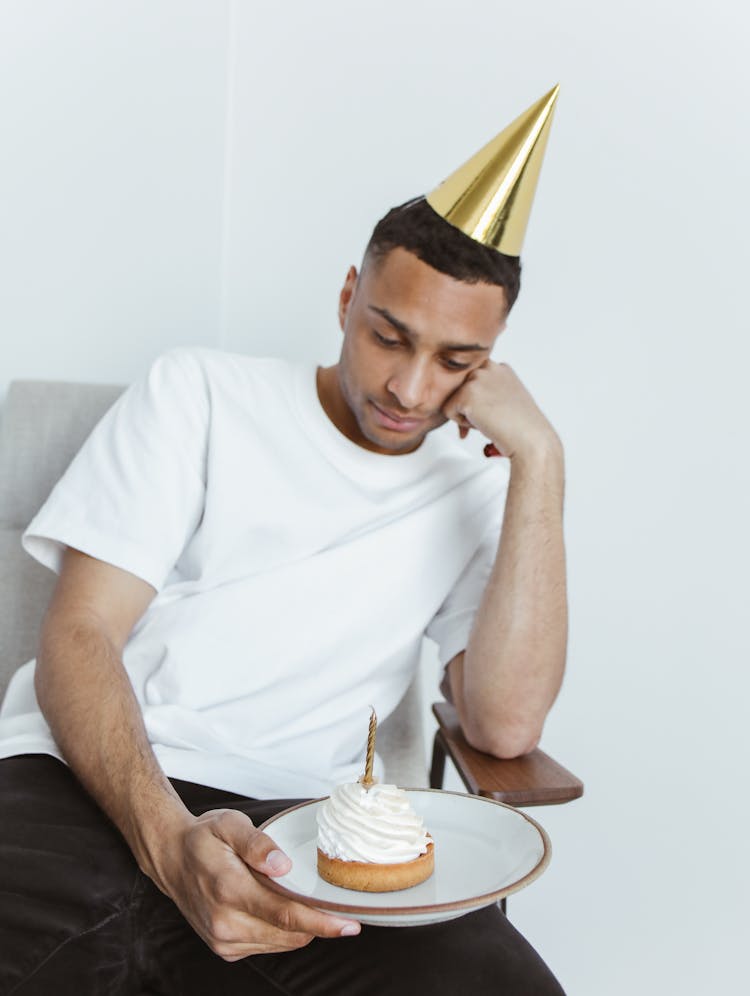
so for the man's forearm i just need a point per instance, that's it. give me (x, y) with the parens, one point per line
(511, 671)
(87, 699)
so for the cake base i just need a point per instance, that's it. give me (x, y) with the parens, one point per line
(367, 876)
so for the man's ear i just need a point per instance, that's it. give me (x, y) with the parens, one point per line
(346, 295)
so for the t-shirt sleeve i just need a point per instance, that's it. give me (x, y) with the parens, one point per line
(134, 494)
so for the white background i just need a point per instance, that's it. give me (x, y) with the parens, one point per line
(203, 172)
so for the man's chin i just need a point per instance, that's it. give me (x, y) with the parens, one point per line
(394, 442)
(404, 446)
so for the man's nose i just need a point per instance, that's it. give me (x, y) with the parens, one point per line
(410, 383)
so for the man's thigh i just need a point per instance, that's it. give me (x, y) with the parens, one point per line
(66, 878)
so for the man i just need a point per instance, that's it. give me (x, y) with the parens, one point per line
(224, 541)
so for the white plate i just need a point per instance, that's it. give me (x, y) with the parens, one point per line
(484, 850)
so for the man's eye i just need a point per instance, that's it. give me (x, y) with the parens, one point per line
(455, 365)
(384, 341)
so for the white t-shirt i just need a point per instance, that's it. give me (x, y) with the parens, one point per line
(296, 572)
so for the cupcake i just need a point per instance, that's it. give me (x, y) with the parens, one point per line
(370, 839)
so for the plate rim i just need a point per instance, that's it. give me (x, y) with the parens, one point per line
(475, 902)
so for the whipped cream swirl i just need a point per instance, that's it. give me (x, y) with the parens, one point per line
(375, 824)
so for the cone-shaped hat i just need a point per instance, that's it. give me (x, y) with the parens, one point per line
(489, 197)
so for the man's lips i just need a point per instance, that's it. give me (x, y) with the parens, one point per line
(397, 423)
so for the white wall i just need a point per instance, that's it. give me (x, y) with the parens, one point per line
(111, 179)
(205, 172)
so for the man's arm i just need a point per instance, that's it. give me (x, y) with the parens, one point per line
(506, 680)
(88, 701)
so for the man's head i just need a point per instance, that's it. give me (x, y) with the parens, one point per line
(416, 227)
(424, 311)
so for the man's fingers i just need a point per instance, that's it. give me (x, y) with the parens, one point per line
(262, 854)
(262, 943)
(456, 407)
(256, 849)
(271, 861)
(452, 412)
(240, 951)
(293, 917)
(236, 933)
(271, 919)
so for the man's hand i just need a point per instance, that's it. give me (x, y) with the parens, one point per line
(205, 871)
(493, 400)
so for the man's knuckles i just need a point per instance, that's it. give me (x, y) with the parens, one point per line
(225, 892)
(233, 826)
(294, 918)
(285, 918)
(232, 938)
(222, 932)
(233, 952)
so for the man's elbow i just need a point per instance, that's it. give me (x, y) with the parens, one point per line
(504, 741)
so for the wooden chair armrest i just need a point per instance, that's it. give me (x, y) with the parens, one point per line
(532, 780)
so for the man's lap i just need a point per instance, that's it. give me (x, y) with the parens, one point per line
(77, 915)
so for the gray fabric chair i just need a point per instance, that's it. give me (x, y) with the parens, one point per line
(44, 423)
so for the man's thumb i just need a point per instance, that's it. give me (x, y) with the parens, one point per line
(254, 847)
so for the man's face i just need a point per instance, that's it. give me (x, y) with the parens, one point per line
(412, 335)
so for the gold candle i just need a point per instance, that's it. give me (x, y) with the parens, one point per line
(367, 780)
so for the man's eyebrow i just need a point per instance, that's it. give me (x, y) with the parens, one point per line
(404, 329)
(392, 320)
(475, 347)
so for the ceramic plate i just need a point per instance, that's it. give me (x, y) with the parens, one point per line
(484, 850)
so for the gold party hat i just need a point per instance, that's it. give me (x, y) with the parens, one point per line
(489, 198)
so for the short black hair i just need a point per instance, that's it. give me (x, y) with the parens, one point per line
(419, 229)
